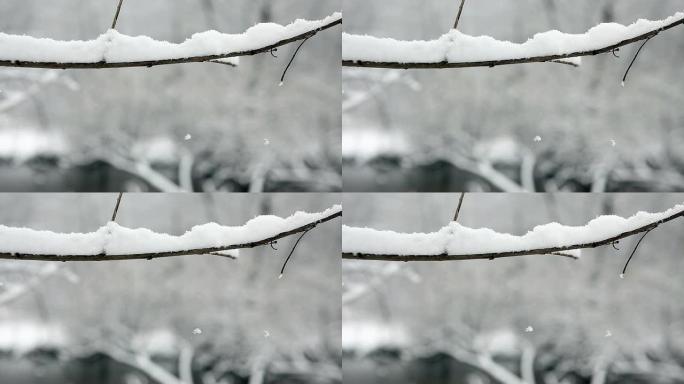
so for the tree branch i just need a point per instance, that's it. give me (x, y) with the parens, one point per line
(554, 251)
(458, 16)
(178, 60)
(116, 15)
(211, 250)
(144, 363)
(116, 207)
(520, 60)
(458, 209)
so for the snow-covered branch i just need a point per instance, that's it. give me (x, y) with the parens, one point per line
(458, 50)
(457, 242)
(114, 242)
(115, 50)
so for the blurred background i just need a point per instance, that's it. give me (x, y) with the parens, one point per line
(134, 322)
(200, 127)
(528, 319)
(542, 127)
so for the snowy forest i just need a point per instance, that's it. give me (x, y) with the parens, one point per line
(523, 127)
(530, 319)
(182, 127)
(195, 319)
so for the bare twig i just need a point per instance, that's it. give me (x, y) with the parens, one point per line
(178, 60)
(282, 77)
(222, 62)
(458, 16)
(116, 207)
(519, 60)
(282, 269)
(624, 269)
(554, 251)
(624, 78)
(458, 209)
(183, 252)
(116, 15)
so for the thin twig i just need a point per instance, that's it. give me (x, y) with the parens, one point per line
(282, 270)
(116, 207)
(219, 61)
(116, 15)
(282, 78)
(458, 209)
(624, 269)
(635, 57)
(458, 16)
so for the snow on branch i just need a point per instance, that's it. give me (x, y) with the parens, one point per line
(114, 242)
(457, 242)
(115, 50)
(458, 50)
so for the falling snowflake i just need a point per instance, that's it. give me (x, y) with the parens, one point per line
(280, 84)
(196, 331)
(267, 333)
(622, 275)
(529, 329)
(622, 84)
(280, 276)
(267, 142)
(537, 139)
(612, 142)
(188, 137)
(609, 333)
